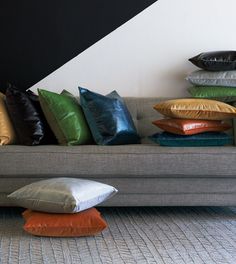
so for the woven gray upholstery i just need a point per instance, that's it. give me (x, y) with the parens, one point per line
(144, 174)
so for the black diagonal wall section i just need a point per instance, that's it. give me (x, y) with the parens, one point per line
(37, 37)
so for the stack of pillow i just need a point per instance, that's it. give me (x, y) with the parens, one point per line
(201, 121)
(217, 77)
(193, 122)
(63, 207)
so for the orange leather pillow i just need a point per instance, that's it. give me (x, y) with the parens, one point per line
(191, 126)
(85, 223)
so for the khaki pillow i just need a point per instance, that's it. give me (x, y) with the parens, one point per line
(196, 109)
(7, 133)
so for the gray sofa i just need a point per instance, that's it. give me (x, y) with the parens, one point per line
(145, 174)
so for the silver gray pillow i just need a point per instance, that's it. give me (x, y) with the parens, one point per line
(62, 195)
(213, 78)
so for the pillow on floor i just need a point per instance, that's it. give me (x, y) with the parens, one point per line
(216, 60)
(199, 140)
(207, 78)
(86, 223)
(65, 117)
(191, 126)
(224, 94)
(7, 132)
(27, 121)
(108, 118)
(196, 109)
(62, 195)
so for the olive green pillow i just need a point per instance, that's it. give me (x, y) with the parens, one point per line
(65, 117)
(220, 93)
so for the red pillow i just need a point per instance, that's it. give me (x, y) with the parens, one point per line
(191, 126)
(85, 223)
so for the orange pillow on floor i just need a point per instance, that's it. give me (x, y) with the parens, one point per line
(191, 126)
(85, 223)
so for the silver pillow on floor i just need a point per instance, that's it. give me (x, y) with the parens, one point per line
(212, 78)
(62, 195)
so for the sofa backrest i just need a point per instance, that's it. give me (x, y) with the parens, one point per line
(143, 114)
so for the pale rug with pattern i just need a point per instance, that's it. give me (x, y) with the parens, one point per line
(135, 235)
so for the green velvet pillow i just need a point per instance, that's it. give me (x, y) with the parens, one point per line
(65, 117)
(220, 93)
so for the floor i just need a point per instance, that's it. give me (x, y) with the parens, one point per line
(135, 235)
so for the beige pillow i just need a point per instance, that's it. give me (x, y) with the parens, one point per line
(7, 133)
(196, 109)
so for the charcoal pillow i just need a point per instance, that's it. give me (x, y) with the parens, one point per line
(198, 140)
(66, 118)
(207, 78)
(29, 123)
(62, 195)
(216, 60)
(108, 118)
(220, 93)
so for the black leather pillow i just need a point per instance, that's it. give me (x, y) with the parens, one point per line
(27, 119)
(215, 61)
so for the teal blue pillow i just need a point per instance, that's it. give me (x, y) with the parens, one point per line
(198, 140)
(108, 117)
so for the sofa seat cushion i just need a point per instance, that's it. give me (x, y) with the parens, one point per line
(90, 161)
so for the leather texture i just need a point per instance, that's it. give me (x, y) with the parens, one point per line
(191, 126)
(65, 117)
(199, 140)
(62, 195)
(196, 109)
(7, 132)
(109, 119)
(216, 60)
(86, 223)
(26, 120)
(223, 94)
(212, 78)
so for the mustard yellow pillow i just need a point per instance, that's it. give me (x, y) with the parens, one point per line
(7, 133)
(196, 109)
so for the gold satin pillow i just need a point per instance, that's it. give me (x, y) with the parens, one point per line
(7, 133)
(196, 109)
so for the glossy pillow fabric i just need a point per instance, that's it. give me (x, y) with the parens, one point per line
(62, 195)
(224, 94)
(208, 78)
(27, 121)
(199, 140)
(7, 132)
(86, 223)
(109, 119)
(196, 109)
(65, 117)
(191, 126)
(216, 60)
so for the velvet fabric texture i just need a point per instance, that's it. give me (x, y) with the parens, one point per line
(216, 60)
(86, 223)
(224, 94)
(191, 126)
(199, 140)
(196, 109)
(7, 132)
(62, 195)
(27, 120)
(108, 118)
(65, 117)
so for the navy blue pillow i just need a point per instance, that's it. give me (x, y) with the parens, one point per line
(198, 140)
(108, 117)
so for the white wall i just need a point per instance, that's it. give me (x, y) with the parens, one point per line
(148, 55)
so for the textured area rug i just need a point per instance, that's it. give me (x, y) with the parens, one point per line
(135, 235)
